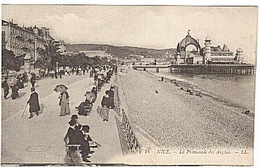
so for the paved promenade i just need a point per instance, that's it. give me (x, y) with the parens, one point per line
(40, 139)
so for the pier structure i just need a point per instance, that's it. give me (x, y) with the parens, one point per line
(237, 69)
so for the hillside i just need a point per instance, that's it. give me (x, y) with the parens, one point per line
(121, 51)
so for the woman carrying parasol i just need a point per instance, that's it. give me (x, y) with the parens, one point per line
(64, 100)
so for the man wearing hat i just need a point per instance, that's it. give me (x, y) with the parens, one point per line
(34, 103)
(5, 86)
(76, 118)
(85, 149)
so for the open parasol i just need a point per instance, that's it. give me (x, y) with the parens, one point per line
(60, 88)
(90, 96)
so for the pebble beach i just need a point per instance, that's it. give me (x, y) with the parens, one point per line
(179, 120)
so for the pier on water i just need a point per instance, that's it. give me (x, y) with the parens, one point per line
(237, 69)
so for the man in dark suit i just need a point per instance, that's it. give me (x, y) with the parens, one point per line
(34, 103)
(5, 86)
(15, 90)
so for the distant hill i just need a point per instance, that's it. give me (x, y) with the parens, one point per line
(121, 51)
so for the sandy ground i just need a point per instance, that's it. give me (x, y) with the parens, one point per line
(178, 120)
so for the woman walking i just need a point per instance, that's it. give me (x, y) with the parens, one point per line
(105, 107)
(64, 103)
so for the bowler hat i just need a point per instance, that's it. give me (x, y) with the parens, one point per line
(75, 116)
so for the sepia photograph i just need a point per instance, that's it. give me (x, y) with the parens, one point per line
(116, 85)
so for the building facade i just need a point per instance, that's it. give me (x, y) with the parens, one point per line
(24, 40)
(207, 55)
(61, 46)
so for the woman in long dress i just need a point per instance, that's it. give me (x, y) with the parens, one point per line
(105, 107)
(64, 104)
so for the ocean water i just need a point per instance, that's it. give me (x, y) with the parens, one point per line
(239, 89)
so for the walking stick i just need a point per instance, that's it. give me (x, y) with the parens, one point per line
(24, 109)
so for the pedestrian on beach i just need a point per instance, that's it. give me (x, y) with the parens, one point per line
(33, 103)
(105, 107)
(5, 86)
(162, 78)
(64, 103)
(15, 90)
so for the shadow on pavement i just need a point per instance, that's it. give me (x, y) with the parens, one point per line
(41, 108)
(21, 94)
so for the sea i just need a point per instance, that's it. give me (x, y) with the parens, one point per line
(238, 89)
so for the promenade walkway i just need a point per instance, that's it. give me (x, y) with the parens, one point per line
(40, 139)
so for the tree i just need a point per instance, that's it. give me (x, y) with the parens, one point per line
(50, 55)
(10, 61)
(44, 60)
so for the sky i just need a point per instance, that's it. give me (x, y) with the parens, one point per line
(143, 26)
(147, 26)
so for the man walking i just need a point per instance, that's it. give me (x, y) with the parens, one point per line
(33, 79)
(34, 103)
(5, 86)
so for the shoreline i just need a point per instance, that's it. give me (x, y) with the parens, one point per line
(175, 118)
(195, 88)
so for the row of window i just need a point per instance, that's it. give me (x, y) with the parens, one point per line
(21, 33)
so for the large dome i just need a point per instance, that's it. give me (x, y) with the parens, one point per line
(188, 40)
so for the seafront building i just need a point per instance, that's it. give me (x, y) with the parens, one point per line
(27, 40)
(61, 45)
(207, 55)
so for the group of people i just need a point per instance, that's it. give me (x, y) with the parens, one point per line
(68, 71)
(19, 84)
(102, 78)
(78, 134)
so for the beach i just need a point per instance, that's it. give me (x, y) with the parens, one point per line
(180, 120)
